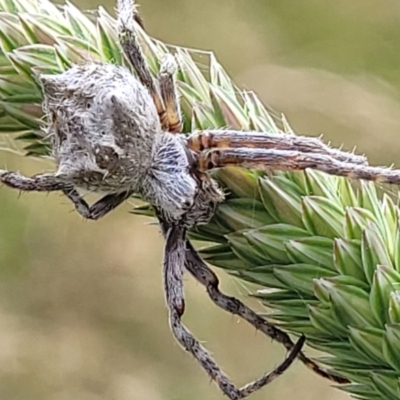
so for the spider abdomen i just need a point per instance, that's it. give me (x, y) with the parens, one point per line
(102, 124)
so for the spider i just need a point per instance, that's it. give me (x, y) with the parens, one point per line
(120, 134)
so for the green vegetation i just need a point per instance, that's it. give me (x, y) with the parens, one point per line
(326, 253)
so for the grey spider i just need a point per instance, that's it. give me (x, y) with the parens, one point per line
(118, 134)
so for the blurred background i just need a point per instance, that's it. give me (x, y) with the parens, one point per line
(82, 312)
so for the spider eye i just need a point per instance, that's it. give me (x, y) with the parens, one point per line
(88, 105)
(187, 204)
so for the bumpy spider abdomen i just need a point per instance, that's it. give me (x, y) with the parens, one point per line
(102, 126)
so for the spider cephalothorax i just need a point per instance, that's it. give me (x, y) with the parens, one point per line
(117, 134)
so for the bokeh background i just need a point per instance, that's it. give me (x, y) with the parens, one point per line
(82, 313)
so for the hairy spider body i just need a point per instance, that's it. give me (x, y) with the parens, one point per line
(106, 137)
(98, 142)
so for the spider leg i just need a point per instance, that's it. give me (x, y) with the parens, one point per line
(169, 94)
(37, 183)
(98, 209)
(202, 140)
(205, 276)
(173, 266)
(50, 183)
(127, 13)
(282, 160)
